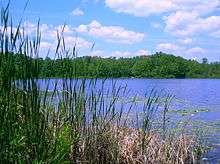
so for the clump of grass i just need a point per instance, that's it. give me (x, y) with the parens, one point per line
(175, 149)
(79, 121)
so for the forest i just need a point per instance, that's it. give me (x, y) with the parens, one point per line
(159, 65)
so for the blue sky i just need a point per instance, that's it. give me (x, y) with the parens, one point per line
(126, 28)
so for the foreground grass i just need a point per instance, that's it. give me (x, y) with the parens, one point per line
(78, 121)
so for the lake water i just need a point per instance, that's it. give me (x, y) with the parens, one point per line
(190, 94)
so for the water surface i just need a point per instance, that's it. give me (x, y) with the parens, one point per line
(200, 96)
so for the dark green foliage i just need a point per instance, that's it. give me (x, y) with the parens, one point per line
(159, 65)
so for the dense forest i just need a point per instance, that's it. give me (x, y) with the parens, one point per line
(159, 65)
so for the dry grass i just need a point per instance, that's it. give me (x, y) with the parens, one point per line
(127, 146)
(175, 149)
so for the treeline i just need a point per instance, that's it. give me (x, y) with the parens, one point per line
(159, 65)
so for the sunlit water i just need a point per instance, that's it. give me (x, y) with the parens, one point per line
(201, 97)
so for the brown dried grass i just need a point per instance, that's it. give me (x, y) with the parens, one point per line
(172, 150)
(125, 145)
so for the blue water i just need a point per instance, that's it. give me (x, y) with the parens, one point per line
(194, 93)
(189, 94)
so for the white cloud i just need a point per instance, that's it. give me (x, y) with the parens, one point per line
(114, 34)
(216, 34)
(31, 28)
(118, 54)
(142, 53)
(186, 41)
(98, 53)
(70, 42)
(189, 53)
(78, 41)
(200, 6)
(127, 54)
(145, 8)
(49, 37)
(48, 32)
(196, 51)
(185, 17)
(177, 23)
(65, 29)
(184, 23)
(46, 45)
(77, 12)
(169, 48)
(139, 7)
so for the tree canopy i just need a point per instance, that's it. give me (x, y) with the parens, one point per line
(159, 65)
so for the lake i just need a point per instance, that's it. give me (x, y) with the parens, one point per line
(200, 96)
